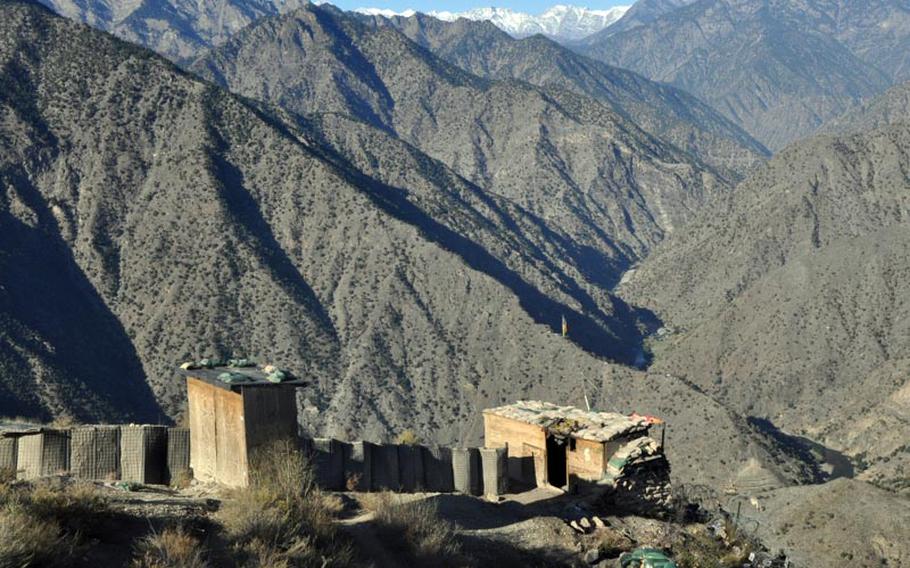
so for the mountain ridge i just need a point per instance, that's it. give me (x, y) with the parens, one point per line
(669, 113)
(775, 68)
(560, 22)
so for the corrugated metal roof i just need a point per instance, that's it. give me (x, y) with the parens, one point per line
(596, 426)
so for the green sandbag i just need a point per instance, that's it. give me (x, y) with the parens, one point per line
(277, 376)
(233, 378)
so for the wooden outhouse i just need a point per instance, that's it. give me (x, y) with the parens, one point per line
(563, 445)
(230, 420)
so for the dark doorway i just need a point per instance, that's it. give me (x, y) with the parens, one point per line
(556, 461)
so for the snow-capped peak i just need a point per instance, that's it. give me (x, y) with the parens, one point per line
(559, 22)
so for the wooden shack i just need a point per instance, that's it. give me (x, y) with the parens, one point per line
(230, 420)
(563, 445)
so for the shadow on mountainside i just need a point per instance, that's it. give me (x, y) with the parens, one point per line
(65, 321)
(618, 337)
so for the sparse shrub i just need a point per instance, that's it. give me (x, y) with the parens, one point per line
(73, 506)
(698, 549)
(27, 540)
(7, 475)
(415, 530)
(40, 525)
(408, 438)
(63, 421)
(171, 548)
(282, 518)
(183, 479)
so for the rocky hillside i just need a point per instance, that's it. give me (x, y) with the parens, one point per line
(173, 221)
(197, 225)
(840, 524)
(788, 298)
(891, 107)
(664, 111)
(178, 29)
(566, 159)
(779, 69)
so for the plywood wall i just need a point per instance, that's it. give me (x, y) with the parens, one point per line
(201, 409)
(270, 414)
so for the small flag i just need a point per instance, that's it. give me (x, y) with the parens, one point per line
(565, 327)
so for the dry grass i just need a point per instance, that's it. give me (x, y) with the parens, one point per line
(27, 540)
(171, 548)
(698, 549)
(41, 524)
(414, 530)
(63, 421)
(408, 438)
(283, 519)
(75, 507)
(183, 479)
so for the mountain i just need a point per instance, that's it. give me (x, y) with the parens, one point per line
(562, 23)
(641, 13)
(890, 107)
(666, 112)
(788, 298)
(153, 217)
(772, 66)
(566, 159)
(172, 220)
(178, 29)
(876, 31)
(840, 524)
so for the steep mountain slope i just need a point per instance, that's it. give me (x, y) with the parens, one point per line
(641, 13)
(890, 107)
(789, 297)
(564, 158)
(840, 524)
(183, 222)
(153, 217)
(664, 111)
(769, 66)
(178, 29)
(877, 31)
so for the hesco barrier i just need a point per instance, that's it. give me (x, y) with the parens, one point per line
(43, 453)
(143, 454)
(494, 468)
(178, 453)
(437, 468)
(138, 453)
(466, 470)
(95, 452)
(364, 466)
(410, 468)
(385, 468)
(158, 454)
(358, 466)
(327, 457)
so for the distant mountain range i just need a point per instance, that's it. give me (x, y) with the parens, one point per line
(778, 68)
(561, 22)
(789, 295)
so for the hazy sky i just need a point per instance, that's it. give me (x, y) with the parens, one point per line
(534, 7)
